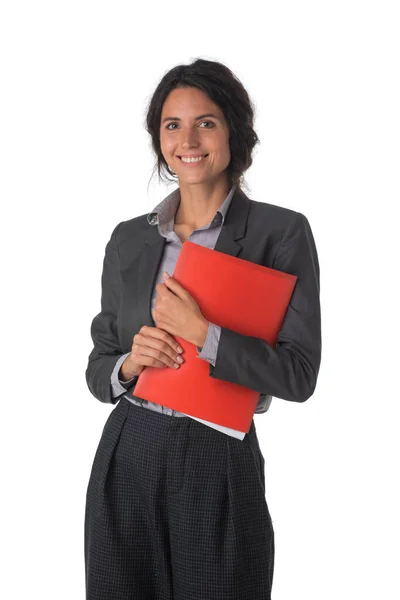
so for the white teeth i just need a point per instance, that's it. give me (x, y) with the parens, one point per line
(192, 159)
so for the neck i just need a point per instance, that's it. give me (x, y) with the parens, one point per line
(199, 202)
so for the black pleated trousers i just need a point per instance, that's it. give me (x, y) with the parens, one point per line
(176, 510)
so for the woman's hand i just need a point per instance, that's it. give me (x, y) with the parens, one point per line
(152, 347)
(177, 312)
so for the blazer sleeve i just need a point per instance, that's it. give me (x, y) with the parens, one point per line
(106, 351)
(290, 369)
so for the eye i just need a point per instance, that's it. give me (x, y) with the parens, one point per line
(208, 123)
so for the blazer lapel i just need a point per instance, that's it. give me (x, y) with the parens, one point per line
(233, 229)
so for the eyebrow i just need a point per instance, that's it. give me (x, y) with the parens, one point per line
(196, 118)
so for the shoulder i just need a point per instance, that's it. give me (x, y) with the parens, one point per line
(273, 210)
(278, 219)
(130, 229)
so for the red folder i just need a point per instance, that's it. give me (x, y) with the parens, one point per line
(234, 293)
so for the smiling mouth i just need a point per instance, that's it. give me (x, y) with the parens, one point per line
(204, 156)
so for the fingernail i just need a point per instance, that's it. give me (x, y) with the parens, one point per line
(166, 274)
(179, 349)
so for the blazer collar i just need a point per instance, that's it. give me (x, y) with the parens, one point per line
(233, 229)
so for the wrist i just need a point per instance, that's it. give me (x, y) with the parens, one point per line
(202, 334)
(126, 371)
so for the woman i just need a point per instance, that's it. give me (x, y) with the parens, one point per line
(175, 506)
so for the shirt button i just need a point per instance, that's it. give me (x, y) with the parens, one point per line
(169, 413)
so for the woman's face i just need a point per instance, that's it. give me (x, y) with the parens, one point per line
(193, 125)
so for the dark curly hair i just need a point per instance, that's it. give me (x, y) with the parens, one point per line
(225, 89)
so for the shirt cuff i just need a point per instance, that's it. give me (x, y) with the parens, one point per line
(210, 348)
(120, 387)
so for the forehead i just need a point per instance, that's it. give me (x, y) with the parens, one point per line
(190, 101)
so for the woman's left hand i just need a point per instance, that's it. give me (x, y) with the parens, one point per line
(177, 312)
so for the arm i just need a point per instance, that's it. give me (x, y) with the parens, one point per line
(289, 370)
(106, 351)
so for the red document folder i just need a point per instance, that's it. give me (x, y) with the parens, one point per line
(233, 293)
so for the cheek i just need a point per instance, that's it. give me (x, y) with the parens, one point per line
(220, 157)
(164, 147)
(165, 144)
(224, 156)
(223, 150)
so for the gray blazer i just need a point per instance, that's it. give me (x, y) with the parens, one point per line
(262, 233)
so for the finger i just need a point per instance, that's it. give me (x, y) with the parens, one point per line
(175, 287)
(150, 356)
(161, 289)
(147, 361)
(159, 340)
(161, 334)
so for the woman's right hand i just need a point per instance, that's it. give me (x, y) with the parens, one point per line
(152, 347)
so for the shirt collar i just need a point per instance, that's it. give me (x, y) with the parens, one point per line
(163, 214)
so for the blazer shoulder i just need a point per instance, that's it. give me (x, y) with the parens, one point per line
(273, 209)
(278, 217)
(131, 229)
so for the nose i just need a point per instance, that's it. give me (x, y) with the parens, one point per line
(189, 138)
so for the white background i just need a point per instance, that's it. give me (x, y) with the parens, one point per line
(76, 160)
